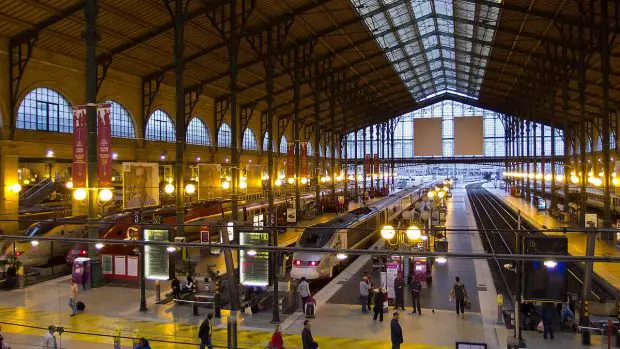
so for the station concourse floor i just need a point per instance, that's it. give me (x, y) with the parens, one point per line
(338, 324)
(610, 272)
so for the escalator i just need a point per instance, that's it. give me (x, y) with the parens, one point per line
(37, 193)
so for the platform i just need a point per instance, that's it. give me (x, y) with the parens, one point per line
(339, 323)
(610, 272)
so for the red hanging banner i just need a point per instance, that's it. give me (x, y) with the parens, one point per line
(290, 160)
(376, 163)
(79, 146)
(366, 163)
(104, 145)
(303, 150)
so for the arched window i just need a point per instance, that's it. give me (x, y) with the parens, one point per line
(197, 133)
(249, 140)
(224, 137)
(328, 151)
(122, 124)
(283, 145)
(321, 151)
(266, 141)
(599, 143)
(160, 127)
(310, 149)
(44, 109)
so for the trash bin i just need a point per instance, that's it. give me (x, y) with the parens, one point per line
(81, 271)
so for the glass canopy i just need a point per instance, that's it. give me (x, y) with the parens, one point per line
(436, 46)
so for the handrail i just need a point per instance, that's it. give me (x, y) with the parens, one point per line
(42, 185)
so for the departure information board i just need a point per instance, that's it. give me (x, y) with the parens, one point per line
(156, 258)
(254, 264)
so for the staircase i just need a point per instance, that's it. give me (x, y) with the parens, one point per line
(37, 193)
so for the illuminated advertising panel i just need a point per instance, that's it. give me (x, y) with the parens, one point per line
(254, 264)
(156, 259)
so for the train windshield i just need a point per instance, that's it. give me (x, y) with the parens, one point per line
(312, 238)
(34, 230)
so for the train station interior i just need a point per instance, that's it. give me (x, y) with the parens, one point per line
(270, 169)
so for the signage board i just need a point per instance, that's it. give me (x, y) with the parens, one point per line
(392, 272)
(156, 258)
(291, 215)
(104, 145)
(79, 146)
(591, 220)
(140, 184)
(254, 265)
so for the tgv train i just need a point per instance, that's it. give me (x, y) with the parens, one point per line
(347, 231)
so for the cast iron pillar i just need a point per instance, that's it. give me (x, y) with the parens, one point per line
(565, 129)
(554, 194)
(296, 128)
(91, 37)
(543, 188)
(372, 158)
(356, 164)
(535, 143)
(581, 69)
(528, 142)
(317, 139)
(332, 145)
(366, 166)
(605, 53)
(179, 68)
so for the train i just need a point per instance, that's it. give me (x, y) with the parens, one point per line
(348, 231)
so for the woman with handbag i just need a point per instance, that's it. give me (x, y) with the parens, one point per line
(459, 293)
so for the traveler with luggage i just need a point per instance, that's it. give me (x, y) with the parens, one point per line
(304, 291)
(459, 293)
(73, 293)
(547, 315)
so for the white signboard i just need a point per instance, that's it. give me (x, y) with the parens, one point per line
(291, 215)
(591, 220)
(392, 272)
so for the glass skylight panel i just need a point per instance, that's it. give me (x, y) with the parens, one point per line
(430, 42)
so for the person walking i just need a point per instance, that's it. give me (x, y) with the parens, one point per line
(49, 340)
(459, 293)
(547, 315)
(364, 287)
(304, 291)
(3, 343)
(399, 290)
(415, 286)
(396, 332)
(306, 337)
(205, 332)
(143, 344)
(73, 293)
(379, 299)
(276, 339)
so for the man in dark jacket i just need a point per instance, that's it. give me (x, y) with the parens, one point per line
(206, 329)
(399, 290)
(547, 315)
(176, 288)
(306, 337)
(396, 332)
(379, 299)
(415, 286)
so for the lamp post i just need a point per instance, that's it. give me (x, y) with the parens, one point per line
(401, 238)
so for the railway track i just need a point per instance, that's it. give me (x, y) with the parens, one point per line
(498, 224)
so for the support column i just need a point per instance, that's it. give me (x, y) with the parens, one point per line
(528, 154)
(179, 68)
(91, 10)
(581, 69)
(535, 143)
(554, 195)
(332, 115)
(372, 158)
(565, 129)
(296, 140)
(522, 157)
(9, 202)
(356, 161)
(364, 166)
(234, 133)
(317, 139)
(392, 131)
(605, 53)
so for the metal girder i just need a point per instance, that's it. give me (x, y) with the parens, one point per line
(32, 33)
(220, 18)
(191, 99)
(282, 125)
(263, 124)
(102, 71)
(150, 88)
(19, 56)
(308, 131)
(220, 108)
(247, 111)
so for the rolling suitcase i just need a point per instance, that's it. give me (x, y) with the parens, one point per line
(80, 306)
(310, 310)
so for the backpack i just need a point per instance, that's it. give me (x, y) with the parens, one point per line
(459, 291)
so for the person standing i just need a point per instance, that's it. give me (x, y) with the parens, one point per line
(306, 337)
(399, 290)
(396, 332)
(73, 293)
(415, 286)
(176, 288)
(379, 299)
(276, 339)
(364, 287)
(304, 291)
(49, 341)
(459, 294)
(205, 332)
(547, 315)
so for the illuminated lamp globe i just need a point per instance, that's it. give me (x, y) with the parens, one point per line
(601, 174)
(34, 243)
(171, 249)
(304, 181)
(341, 256)
(613, 174)
(441, 194)
(68, 185)
(291, 180)
(615, 182)
(79, 194)
(226, 185)
(388, 232)
(559, 178)
(413, 233)
(548, 177)
(597, 182)
(251, 253)
(243, 179)
(574, 179)
(328, 178)
(538, 176)
(190, 188)
(278, 182)
(99, 245)
(27, 181)
(243, 185)
(169, 188)
(265, 177)
(15, 188)
(431, 194)
(281, 176)
(105, 195)
(441, 260)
